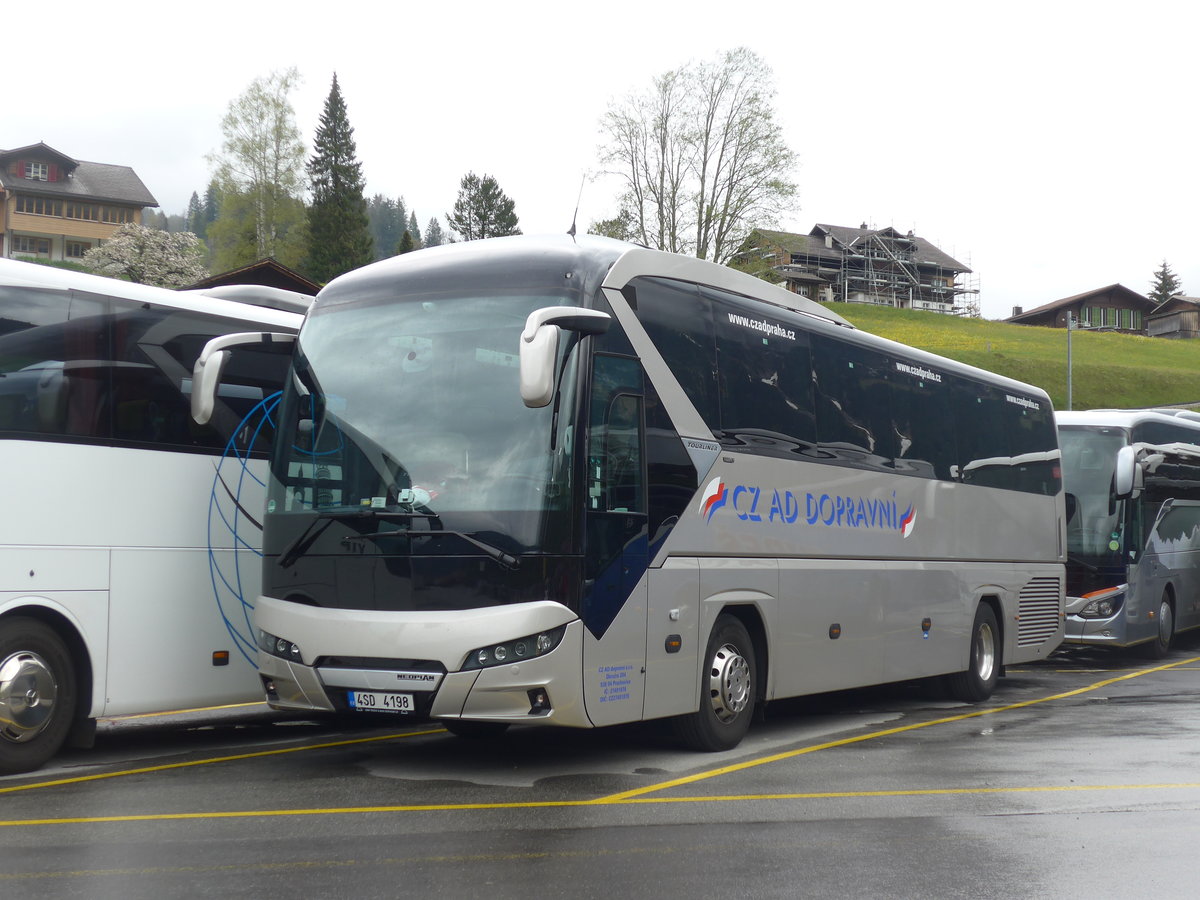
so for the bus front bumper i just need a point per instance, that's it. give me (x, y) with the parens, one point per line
(542, 690)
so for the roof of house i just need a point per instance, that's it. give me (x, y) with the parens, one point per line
(852, 239)
(86, 180)
(1134, 297)
(1173, 305)
(269, 272)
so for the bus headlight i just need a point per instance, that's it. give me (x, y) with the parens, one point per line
(277, 646)
(1103, 604)
(527, 647)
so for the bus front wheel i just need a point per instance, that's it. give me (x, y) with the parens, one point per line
(728, 686)
(978, 680)
(37, 694)
(1159, 647)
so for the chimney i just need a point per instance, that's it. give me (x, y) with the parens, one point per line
(1017, 310)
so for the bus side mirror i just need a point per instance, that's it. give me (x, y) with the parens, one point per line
(206, 373)
(1127, 477)
(539, 347)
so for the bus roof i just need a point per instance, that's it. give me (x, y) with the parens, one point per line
(1126, 418)
(16, 273)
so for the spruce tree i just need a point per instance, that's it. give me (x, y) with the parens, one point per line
(1165, 285)
(482, 209)
(195, 216)
(338, 234)
(414, 231)
(433, 234)
(406, 243)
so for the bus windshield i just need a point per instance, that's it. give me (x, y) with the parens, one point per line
(410, 410)
(1095, 523)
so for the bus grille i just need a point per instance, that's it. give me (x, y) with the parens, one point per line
(1039, 611)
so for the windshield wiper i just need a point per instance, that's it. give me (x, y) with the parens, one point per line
(505, 559)
(317, 526)
(1083, 565)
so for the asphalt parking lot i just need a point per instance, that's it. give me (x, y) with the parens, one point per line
(1079, 778)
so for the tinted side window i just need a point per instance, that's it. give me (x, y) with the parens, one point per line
(1163, 433)
(1005, 440)
(851, 398)
(921, 415)
(764, 375)
(679, 321)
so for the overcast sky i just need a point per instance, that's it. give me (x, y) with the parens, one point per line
(1047, 145)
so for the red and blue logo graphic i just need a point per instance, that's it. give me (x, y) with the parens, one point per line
(907, 521)
(713, 499)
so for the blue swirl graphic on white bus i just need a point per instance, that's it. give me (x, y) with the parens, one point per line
(234, 515)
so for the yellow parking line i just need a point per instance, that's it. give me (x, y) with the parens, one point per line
(632, 801)
(842, 742)
(79, 779)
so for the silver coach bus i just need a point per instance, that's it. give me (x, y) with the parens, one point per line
(577, 482)
(1132, 479)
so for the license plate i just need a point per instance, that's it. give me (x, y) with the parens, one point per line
(368, 701)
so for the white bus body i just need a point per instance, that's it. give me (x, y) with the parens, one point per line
(131, 536)
(714, 494)
(1133, 554)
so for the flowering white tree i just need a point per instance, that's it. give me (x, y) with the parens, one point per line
(149, 256)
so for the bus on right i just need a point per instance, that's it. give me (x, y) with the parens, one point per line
(1132, 481)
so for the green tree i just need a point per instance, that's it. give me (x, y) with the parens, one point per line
(434, 237)
(231, 237)
(262, 160)
(406, 243)
(482, 209)
(701, 156)
(1164, 285)
(338, 231)
(195, 216)
(385, 218)
(415, 231)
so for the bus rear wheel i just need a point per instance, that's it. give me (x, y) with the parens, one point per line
(37, 694)
(728, 687)
(978, 680)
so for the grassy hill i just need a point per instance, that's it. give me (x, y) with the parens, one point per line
(1108, 370)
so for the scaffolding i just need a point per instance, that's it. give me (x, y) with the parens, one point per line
(881, 267)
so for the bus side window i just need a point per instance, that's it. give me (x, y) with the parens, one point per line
(614, 479)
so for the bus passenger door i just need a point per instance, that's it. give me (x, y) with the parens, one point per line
(616, 544)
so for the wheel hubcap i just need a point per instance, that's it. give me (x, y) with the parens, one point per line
(1166, 623)
(985, 653)
(27, 695)
(729, 683)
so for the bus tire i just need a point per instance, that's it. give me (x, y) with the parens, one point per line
(37, 694)
(465, 728)
(1161, 644)
(728, 689)
(978, 680)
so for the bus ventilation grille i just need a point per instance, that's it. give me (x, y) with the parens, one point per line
(1040, 611)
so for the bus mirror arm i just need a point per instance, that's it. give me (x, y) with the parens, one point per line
(206, 373)
(539, 347)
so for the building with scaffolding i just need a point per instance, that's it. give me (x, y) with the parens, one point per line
(864, 265)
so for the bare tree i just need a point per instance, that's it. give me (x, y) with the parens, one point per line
(702, 159)
(262, 155)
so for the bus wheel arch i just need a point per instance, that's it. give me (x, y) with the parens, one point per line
(43, 676)
(731, 682)
(984, 657)
(1160, 644)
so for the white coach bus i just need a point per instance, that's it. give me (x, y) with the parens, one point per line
(1132, 479)
(128, 530)
(577, 482)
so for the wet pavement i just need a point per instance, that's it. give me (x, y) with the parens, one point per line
(1079, 778)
